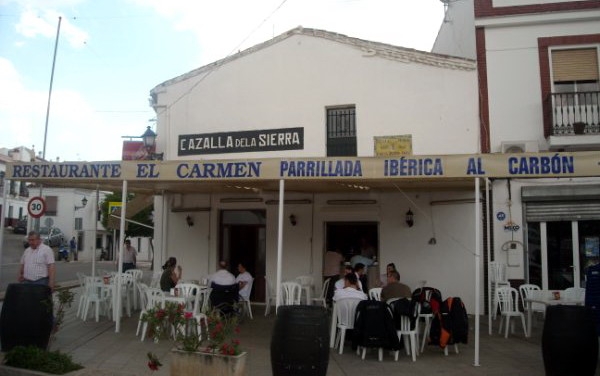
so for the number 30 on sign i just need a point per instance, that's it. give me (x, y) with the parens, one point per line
(36, 207)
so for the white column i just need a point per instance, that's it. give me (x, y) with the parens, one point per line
(117, 295)
(279, 243)
(477, 262)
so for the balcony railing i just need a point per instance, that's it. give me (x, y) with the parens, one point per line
(575, 113)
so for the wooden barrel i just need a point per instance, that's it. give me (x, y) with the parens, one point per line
(300, 341)
(569, 341)
(26, 318)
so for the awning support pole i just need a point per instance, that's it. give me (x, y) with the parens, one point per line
(117, 304)
(279, 243)
(2, 216)
(477, 269)
(489, 253)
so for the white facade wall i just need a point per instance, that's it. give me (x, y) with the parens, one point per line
(290, 84)
(514, 78)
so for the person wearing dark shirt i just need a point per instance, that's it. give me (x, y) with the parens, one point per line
(171, 274)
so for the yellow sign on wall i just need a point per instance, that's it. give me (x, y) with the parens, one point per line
(114, 205)
(388, 146)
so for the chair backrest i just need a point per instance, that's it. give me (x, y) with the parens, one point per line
(291, 293)
(498, 272)
(202, 304)
(525, 291)
(305, 280)
(375, 293)
(136, 273)
(575, 294)
(155, 281)
(154, 296)
(325, 288)
(142, 287)
(508, 298)
(188, 289)
(346, 310)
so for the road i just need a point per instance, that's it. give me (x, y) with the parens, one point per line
(65, 271)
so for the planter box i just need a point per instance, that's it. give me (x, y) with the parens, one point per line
(206, 364)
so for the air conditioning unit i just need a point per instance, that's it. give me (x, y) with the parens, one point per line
(520, 147)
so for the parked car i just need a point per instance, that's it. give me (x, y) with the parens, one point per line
(51, 236)
(20, 227)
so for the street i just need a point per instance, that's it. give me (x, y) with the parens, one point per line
(65, 271)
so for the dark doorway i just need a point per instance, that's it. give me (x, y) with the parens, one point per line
(243, 239)
(347, 236)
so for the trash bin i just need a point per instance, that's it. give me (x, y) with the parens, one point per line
(300, 341)
(26, 318)
(569, 341)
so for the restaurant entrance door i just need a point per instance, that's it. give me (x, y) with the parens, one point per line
(243, 239)
(560, 251)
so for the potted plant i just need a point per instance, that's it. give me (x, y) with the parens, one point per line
(206, 349)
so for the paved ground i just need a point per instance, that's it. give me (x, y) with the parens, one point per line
(104, 352)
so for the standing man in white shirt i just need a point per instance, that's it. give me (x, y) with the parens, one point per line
(37, 262)
(129, 256)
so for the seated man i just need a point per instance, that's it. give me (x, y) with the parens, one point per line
(225, 290)
(244, 280)
(222, 276)
(350, 289)
(339, 284)
(393, 288)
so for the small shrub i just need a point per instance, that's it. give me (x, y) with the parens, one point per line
(36, 359)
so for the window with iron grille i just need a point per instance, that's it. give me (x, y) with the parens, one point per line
(341, 131)
(78, 224)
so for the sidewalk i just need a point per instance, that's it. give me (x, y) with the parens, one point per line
(101, 351)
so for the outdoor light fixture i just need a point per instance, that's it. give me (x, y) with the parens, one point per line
(189, 220)
(149, 138)
(293, 220)
(410, 218)
(84, 201)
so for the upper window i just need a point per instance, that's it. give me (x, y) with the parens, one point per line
(341, 131)
(575, 76)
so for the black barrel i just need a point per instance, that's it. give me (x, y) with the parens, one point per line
(300, 342)
(569, 341)
(26, 318)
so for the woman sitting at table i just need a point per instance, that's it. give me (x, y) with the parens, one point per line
(171, 274)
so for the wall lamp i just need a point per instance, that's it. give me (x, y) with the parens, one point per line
(189, 220)
(84, 201)
(409, 217)
(293, 220)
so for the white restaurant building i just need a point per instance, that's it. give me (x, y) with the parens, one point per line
(355, 134)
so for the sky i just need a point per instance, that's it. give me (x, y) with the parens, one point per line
(111, 53)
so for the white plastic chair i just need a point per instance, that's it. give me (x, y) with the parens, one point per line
(203, 302)
(190, 292)
(95, 295)
(508, 298)
(269, 296)
(528, 290)
(137, 274)
(154, 297)
(81, 281)
(375, 293)
(345, 311)
(498, 278)
(291, 292)
(323, 298)
(410, 335)
(575, 294)
(246, 301)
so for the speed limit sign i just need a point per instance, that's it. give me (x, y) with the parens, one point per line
(36, 207)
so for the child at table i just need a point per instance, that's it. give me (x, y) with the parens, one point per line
(171, 274)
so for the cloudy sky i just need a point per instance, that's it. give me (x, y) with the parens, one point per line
(111, 53)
